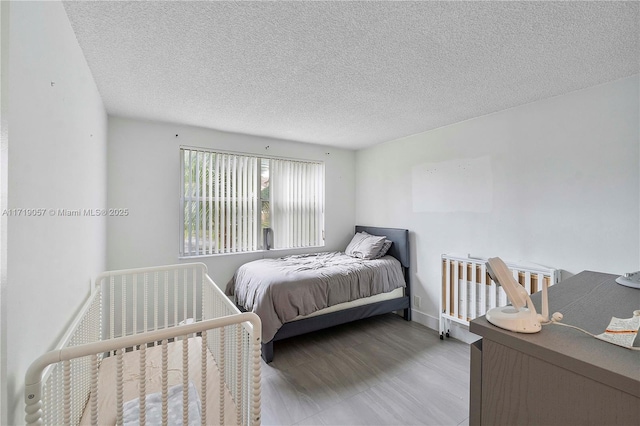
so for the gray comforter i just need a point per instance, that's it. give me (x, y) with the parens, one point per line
(279, 290)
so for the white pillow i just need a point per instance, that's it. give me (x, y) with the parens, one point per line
(355, 241)
(365, 246)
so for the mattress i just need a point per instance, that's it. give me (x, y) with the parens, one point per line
(280, 290)
(131, 386)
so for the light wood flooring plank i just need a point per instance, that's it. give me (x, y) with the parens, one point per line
(377, 371)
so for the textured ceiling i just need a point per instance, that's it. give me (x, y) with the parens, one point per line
(348, 74)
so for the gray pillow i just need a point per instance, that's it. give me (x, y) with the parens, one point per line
(385, 248)
(365, 246)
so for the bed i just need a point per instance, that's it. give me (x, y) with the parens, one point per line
(160, 345)
(273, 289)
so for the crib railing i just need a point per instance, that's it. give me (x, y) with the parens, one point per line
(51, 407)
(147, 299)
(469, 292)
(139, 308)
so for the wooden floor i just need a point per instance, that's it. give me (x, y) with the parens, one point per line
(377, 371)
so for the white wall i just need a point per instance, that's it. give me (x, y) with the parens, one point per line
(4, 149)
(563, 187)
(144, 177)
(57, 160)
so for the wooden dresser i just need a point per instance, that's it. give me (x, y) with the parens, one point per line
(559, 376)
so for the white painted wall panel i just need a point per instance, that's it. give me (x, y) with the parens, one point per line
(56, 160)
(4, 150)
(144, 177)
(453, 186)
(565, 187)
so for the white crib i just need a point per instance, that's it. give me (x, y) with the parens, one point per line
(469, 292)
(152, 344)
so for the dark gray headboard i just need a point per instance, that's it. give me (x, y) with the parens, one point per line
(400, 237)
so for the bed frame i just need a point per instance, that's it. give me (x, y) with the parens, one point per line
(400, 250)
(138, 310)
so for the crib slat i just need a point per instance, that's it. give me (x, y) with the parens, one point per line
(221, 367)
(193, 295)
(134, 304)
(156, 305)
(185, 380)
(448, 288)
(203, 378)
(463, 291)
(123, 319)
(142, 381)
(527, 282)
(165, 382)
(94, 390)
(483, 286)
(184, 295)
(254, 355)
(474, 296)
(238, 371)
(119, 388)
(455, 288)
(66, 366)
(145, 302)
(540, 282)
(175, 297)
(166, 299)
(112, 302)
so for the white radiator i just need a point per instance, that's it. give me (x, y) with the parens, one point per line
(468, 292)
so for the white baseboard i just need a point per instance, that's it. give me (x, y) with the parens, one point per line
(424, 319)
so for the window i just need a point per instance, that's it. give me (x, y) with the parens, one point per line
(229, 202)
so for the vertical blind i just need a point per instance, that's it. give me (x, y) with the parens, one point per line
(297, 203)
(221, 207)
